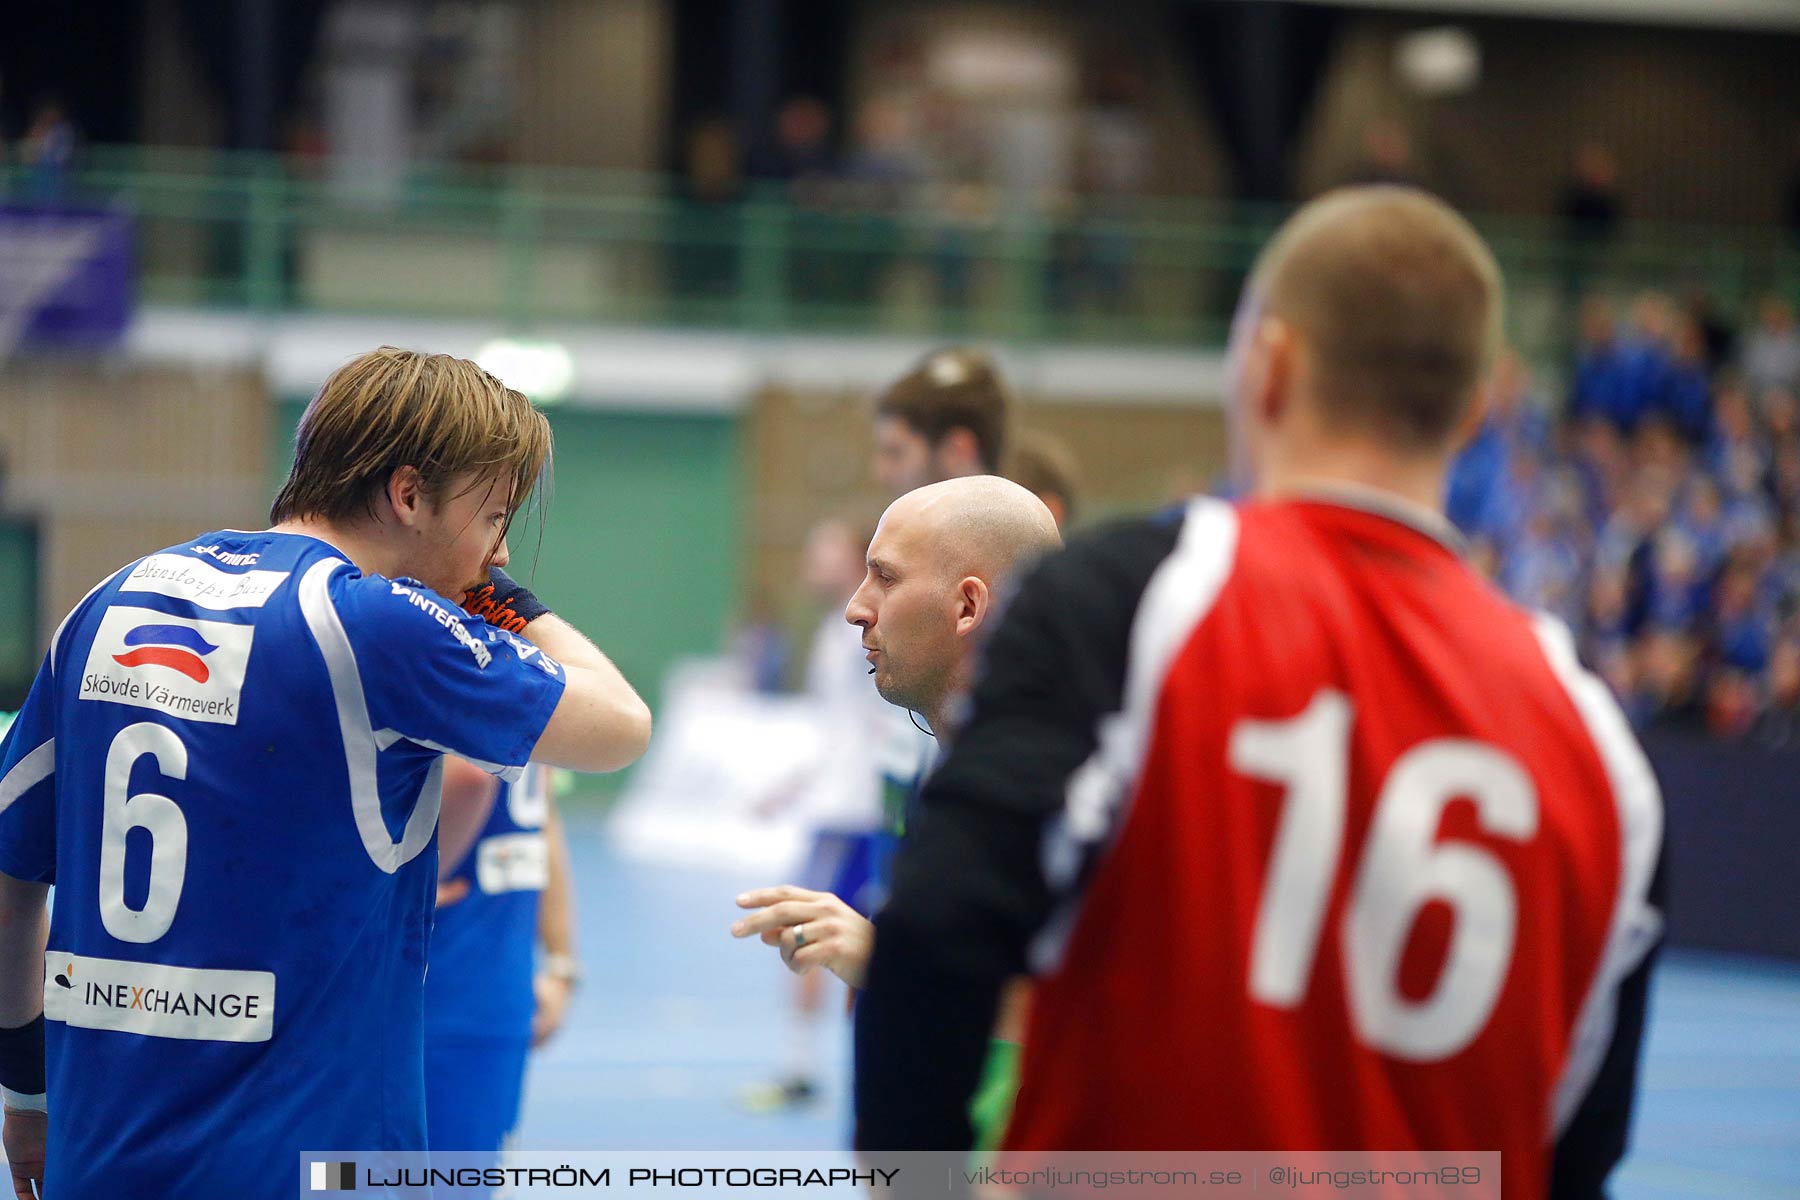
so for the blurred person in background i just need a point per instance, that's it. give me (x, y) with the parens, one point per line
(707, 235)
(1771, 354)
(1735, 455)
(799, 162)
(800, 154)
(840, 797)
(1644, 355)
(1779, 724)
(48, 150)
(286, 858)
(1716, 332)
(1592, 210)
(877, 183)
(1387, 155)
(1045, 466)
(1684, 399)
(504, 963)
(945, 418)
(1312, 671)
(1599, 389)
(1669, 677)
(1514, 426)
(940, 561)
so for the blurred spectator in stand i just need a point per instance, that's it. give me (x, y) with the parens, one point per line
(1510, 503)
(1602, 462)
(1591, 205)
(1702, 521)
(48, 150)
(877, 184)
(1645, 346)
(1784, 477)
(1091, 259)
(1599, 389)
(800, 167)
(1543, 568)
(953, 157)
(1591, 211)
(708, 219)
(1721, 341)
(1743, 624)
(1685, 394)
(1779, 725)
(1737, 457)
(801, 153)
(1772, 351)
(1606, 641)
(1731, 702)
(1793, 193)
(1387, 156)
(1780, 414)
(1668, 675)
(1678, 587)
(1045, 466)
(1686, 481)
(1512, 422)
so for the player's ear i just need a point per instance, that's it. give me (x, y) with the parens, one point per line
(1470, 425)
(406, 495)
(1274, 365)
(973, 599)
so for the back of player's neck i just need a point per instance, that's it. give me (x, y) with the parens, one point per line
(1413, 482)
(347, 541)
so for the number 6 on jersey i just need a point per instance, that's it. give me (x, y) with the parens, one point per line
(121, 813)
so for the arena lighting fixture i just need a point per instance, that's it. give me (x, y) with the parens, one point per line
(1442, 61)
(542, 370)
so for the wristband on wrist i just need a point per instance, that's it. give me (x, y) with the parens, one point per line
(24, 1103)
(503, 602)
(22, 1065)
(561, 966)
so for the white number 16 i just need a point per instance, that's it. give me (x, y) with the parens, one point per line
(1402, 868)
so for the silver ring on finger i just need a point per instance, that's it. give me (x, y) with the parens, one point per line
(799, 936)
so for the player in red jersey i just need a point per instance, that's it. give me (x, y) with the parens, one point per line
(1313, 840)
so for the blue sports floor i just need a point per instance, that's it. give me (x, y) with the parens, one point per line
(676, 1016)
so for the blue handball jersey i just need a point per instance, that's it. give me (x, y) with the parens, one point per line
(230, 766)
(483, 949)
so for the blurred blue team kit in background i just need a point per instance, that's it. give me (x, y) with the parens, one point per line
(229, 765)
(478, 995)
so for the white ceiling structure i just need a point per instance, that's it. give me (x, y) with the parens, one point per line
(1730, 14)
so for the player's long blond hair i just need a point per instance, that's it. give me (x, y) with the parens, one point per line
(392, 408)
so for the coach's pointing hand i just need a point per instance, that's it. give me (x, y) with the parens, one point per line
(813, 929)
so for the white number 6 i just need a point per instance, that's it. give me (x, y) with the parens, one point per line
(122, 812)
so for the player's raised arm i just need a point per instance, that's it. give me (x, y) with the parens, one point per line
(600, 724)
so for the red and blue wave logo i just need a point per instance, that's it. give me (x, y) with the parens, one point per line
(173, 646)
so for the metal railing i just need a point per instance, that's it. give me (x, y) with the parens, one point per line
(535, 245)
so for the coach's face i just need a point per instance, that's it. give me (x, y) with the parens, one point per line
(907, 610)
(453, 536)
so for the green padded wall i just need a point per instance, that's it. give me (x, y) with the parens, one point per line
(19, 652)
